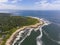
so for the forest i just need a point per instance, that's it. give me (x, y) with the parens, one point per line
(9, 24)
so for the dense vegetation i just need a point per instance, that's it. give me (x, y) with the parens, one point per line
(9, 24)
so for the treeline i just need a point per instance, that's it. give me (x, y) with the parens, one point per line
(9, 24)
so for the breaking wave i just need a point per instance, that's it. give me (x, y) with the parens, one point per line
(38, 39)
(23, 34)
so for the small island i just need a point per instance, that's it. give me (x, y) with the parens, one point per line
(10, 25)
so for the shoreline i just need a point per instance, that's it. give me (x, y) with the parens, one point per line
(13, 36)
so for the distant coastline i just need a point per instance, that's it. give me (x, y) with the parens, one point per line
(13, 36)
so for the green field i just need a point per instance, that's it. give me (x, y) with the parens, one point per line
(9, 24)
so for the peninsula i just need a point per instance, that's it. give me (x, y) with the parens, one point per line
(11, 25)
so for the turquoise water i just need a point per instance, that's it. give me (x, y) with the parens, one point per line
(51, 33)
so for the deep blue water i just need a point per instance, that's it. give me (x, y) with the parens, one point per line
(53, 30)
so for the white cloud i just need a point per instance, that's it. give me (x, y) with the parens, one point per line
(41, 5)
(9, 6)
(12, 1)
(57, 2)
(3, 0)
(15, 1)
(45, 5)
(4, 5)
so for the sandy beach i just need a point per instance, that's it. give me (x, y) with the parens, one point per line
(13, 36)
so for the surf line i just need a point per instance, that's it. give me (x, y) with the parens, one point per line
(38, 39)
(58, 42)
(25, 36)
(20, 35)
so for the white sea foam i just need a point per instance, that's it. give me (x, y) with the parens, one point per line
(47, 23)
(58, 42)
(38, 39)
(39, 43)
(18, 36)
(36, 29)
(26, 36)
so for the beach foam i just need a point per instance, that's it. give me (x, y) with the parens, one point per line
(20, 35)
(38, 39)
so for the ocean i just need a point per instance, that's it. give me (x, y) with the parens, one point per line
(51, 32)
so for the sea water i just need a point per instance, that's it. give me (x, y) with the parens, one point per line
(50, 33)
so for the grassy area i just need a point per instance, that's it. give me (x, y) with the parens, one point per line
(9, 24)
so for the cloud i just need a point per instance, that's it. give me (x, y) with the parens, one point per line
(9, 6)
(45, 5)
(39, 5)
(57, 2)
(9, 1)
(15, 1)
(3, 1)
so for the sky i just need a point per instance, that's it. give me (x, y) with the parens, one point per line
(30, 4)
